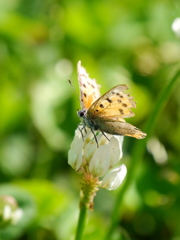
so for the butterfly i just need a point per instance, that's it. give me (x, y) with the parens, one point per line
(106, 113)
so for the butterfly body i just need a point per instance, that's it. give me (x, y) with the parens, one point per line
(106, 113)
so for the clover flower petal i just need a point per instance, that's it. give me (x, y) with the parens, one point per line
(114, 178)
(89, 150)
(17, 215)
(115, 146)
(75, 153)
(100, 161)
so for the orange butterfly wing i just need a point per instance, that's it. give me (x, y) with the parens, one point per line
(89, 89)
(115, 104)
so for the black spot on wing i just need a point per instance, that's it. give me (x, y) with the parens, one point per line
(109, 100)
(121, 111)
(101, 105)
(84, 94)
(124, 105)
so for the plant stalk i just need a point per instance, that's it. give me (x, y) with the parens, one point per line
(81, 222)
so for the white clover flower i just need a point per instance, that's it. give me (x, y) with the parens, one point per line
(176, 27)
(88, 159)
(10, 213)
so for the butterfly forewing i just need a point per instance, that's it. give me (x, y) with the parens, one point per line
(115, 104)
(89, 89)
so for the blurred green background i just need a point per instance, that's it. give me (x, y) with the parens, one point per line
(129, 42)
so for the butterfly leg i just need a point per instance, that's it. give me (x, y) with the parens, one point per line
(85, 129)
(80, 129)
(105, 135)
(95, 137)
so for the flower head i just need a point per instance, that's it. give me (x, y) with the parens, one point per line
(86, 158)
(95, 164)
(10, 213)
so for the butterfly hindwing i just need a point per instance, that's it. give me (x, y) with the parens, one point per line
(120, 128)
(89, 89)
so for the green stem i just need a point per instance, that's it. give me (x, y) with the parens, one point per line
(89, 188)
(81, 222)
(139, 150)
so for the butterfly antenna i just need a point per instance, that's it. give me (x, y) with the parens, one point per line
(74, 89)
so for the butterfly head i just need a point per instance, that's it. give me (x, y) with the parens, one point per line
(82, 113)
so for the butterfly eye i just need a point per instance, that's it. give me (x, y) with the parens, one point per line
(82, 113)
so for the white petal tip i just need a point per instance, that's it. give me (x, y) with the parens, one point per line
(114, 178)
